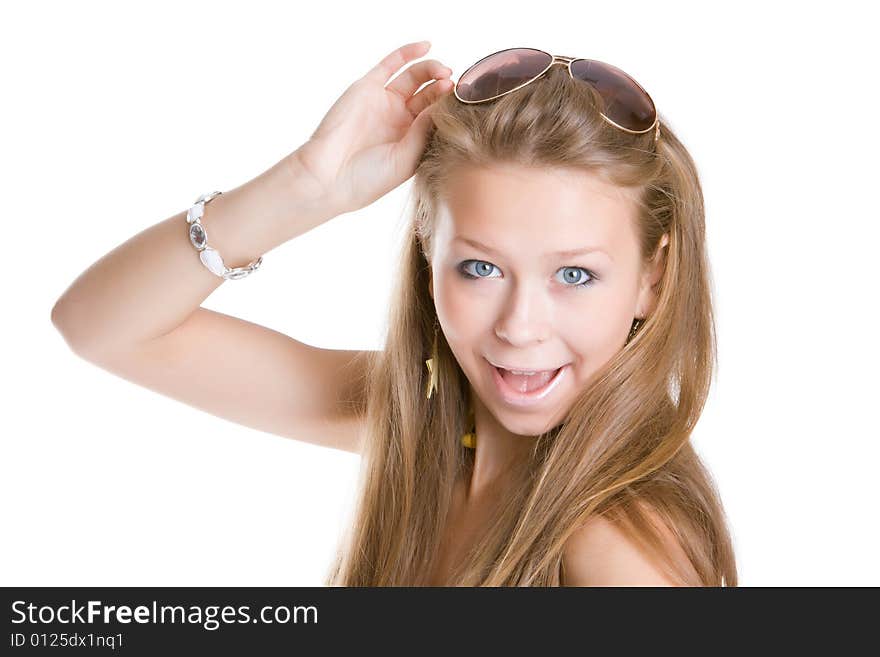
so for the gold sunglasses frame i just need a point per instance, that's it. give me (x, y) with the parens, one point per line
(566, 61)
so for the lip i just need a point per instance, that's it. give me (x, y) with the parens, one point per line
(516, 398)
(519, 369)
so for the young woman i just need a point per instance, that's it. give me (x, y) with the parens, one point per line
(551, 340)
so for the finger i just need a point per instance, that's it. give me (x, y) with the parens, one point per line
(406, 84)
(407, 151)
(428, 95)
(392, 62)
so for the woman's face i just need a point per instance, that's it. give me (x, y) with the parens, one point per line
(516, 302)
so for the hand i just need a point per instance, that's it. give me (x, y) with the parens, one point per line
(372, 137)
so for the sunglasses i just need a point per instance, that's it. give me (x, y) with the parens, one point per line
(627, 105)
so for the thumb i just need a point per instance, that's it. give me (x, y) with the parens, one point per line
(410, 148)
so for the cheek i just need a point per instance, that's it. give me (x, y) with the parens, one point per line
(600, 329)
(461, 313)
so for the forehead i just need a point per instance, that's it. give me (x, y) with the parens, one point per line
(548, 207)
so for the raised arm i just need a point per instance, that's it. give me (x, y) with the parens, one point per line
(137, 311)
(150, 284)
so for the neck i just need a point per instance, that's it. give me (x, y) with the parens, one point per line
(497, 452)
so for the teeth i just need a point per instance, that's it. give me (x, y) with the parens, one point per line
(525, 372)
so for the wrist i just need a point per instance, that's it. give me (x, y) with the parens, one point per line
(308, 190)
(250, 220)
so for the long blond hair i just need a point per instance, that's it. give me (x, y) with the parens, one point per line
(624, 447)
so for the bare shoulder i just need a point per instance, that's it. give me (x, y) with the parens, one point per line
(601, 554)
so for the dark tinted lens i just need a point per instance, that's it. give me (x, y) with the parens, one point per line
(626, 103)
(500, 72)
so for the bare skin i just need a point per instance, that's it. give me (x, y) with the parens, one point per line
(465, 524)
(137, 310)
(523, 312)
(527, 309)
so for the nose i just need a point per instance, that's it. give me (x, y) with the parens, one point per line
(525, 318)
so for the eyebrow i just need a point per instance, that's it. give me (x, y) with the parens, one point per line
(565, 254)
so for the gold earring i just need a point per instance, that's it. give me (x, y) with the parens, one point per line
(634, 328)
(433, 368)
(469, 439)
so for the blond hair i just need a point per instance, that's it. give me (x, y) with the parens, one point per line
(624, 449)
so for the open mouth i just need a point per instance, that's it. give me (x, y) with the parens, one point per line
(522, 389)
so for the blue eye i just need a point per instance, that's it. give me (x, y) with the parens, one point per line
(577, 275)
(483, 267)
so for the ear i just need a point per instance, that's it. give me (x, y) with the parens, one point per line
(650, 277)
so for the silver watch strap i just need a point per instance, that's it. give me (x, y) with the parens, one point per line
(209, 256)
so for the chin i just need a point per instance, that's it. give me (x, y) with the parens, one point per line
(516, 423)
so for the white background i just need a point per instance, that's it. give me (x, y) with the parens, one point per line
(117, 116)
